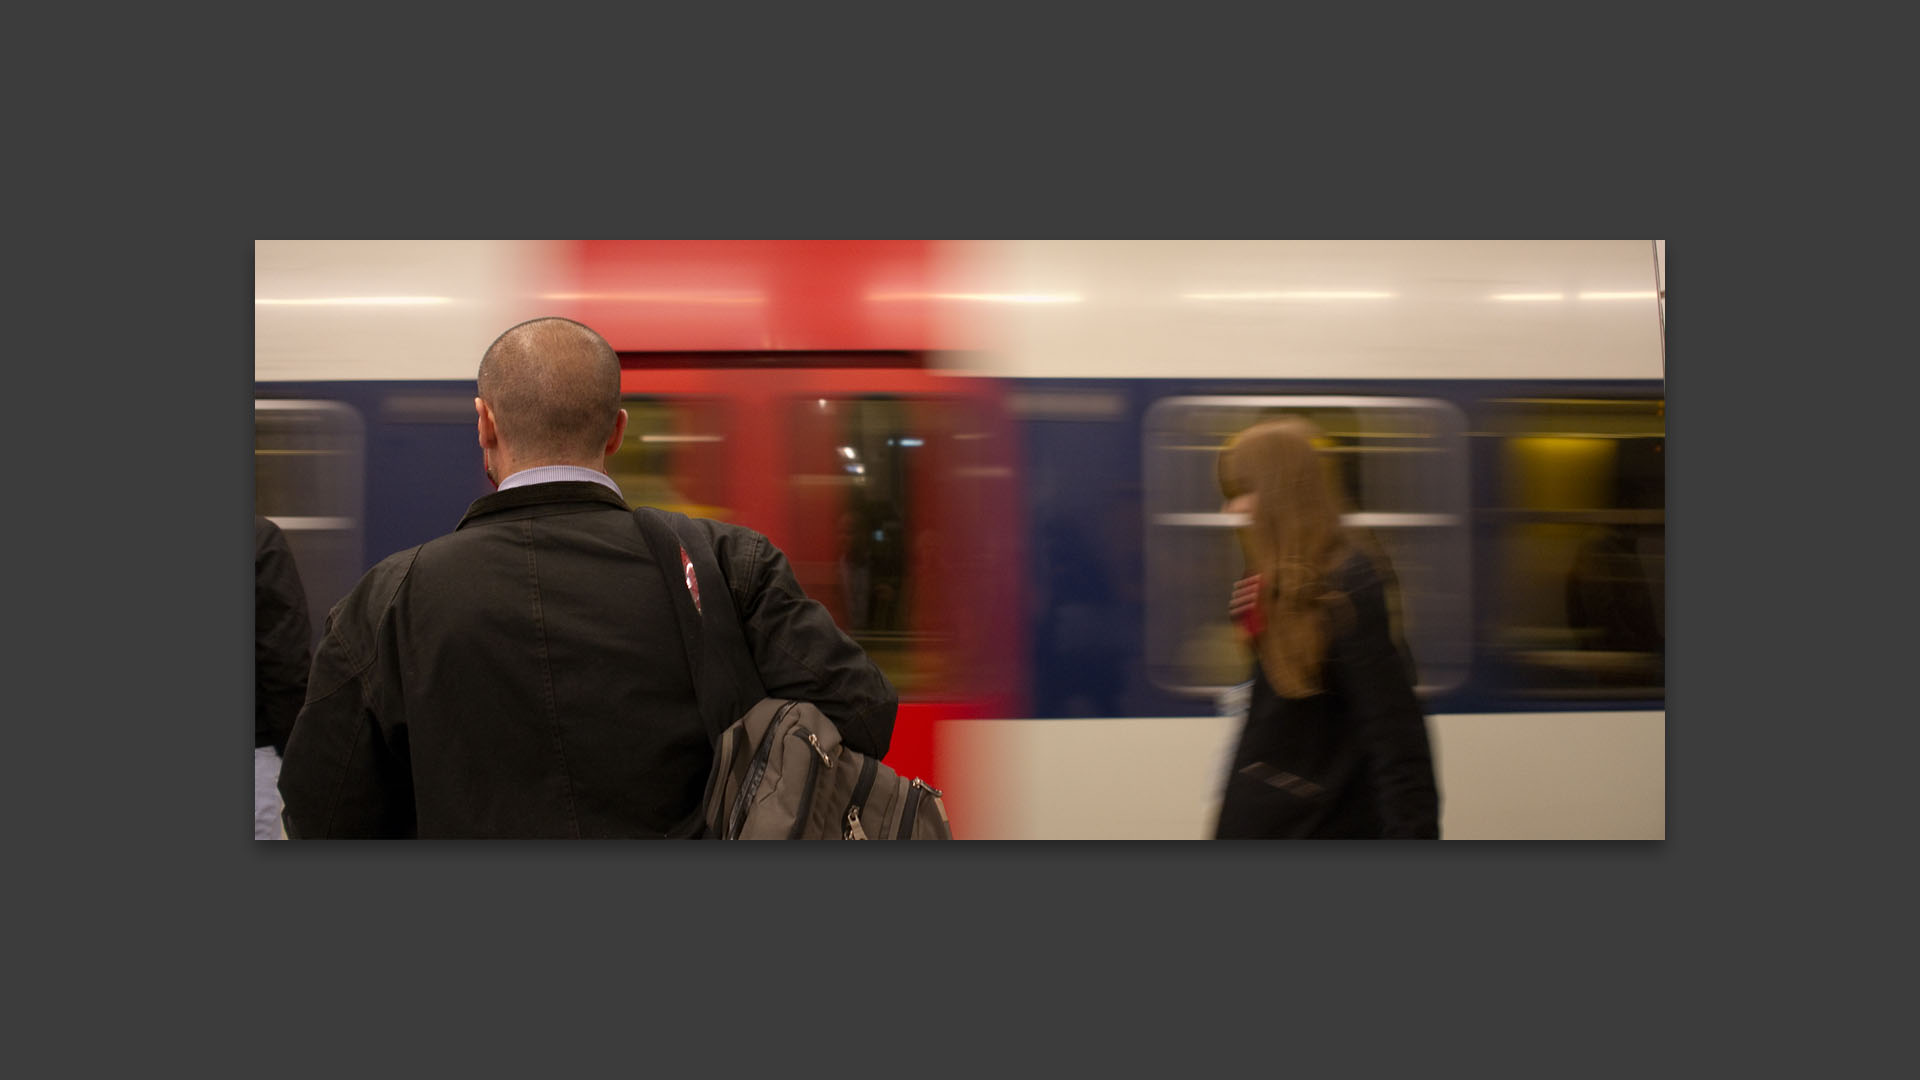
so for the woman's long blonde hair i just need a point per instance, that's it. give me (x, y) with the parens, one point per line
(1295, 543)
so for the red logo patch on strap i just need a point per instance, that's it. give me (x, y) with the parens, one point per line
(693, 581)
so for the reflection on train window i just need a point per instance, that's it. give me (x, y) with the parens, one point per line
(1580, 563)
(673, 456)
(1400, 464)
(308, 464)
(888, 496)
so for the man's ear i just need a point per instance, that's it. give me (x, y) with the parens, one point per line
(489, 431)
(619, 433)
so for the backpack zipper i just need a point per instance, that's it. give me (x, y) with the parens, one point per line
(861, 788)
(738, 818)
(913, 806)
(813, 779)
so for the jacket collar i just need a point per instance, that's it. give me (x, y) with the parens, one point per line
(557, 493)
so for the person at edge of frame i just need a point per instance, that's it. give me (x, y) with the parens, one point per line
(281, 656)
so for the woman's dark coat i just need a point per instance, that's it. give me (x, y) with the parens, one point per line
(1352, 761)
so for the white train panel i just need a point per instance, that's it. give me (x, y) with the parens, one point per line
(341, 310)
(1502, 776)
(1304, 309)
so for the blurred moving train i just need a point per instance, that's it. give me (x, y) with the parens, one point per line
(994, 462)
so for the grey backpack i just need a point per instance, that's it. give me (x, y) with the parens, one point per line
(780, 771)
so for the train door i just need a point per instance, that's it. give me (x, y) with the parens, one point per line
(901, 506)
(891, 491)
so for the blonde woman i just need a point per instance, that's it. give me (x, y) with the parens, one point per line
(1335, 745)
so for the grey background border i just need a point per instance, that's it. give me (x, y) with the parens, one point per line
(1169, 958)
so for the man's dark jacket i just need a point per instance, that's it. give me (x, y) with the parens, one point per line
(280, 634)
(525, 675)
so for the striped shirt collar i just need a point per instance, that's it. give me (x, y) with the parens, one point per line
(547, 474)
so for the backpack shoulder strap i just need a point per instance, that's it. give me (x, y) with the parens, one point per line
(726, 682)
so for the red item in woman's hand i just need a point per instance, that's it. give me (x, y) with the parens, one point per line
(1252, 620)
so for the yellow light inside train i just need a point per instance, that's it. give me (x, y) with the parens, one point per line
(352, 301)
(1558, 472)
(1530, 296)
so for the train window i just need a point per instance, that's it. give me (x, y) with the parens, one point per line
(309, 459)
(889, 501)
(1402, 467)
(1579, 546)
(673, 456)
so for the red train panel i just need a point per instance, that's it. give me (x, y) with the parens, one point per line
(753, 295)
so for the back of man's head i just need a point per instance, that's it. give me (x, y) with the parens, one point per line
(554, 388)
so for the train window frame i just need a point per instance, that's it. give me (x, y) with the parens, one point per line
(324, 577)
(1504, 422)
(723, 416)
(1453, 623)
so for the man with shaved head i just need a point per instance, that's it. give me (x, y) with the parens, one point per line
(549, 391)
(548, 668)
